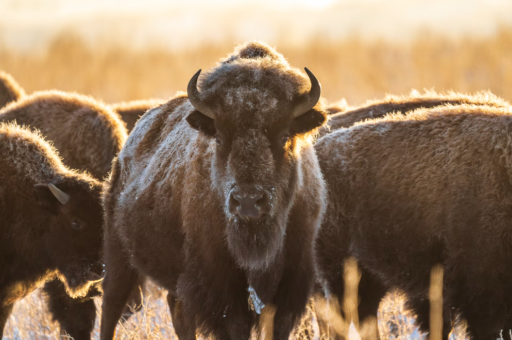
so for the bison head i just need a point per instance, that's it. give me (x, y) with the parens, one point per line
(261, 116)
(73, 239)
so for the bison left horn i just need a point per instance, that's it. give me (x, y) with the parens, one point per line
(193, 96)
(60, 195)
(309, 100)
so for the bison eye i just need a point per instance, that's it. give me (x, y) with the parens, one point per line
(284, 139)
(77, 225)
(217, 140)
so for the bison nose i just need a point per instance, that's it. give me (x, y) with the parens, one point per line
(247, 206)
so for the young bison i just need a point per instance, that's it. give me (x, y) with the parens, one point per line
(51, 220)
(130, 112)
(10, 91)
(88, 135)
(408, 192)
(403, 104)
(219, 194)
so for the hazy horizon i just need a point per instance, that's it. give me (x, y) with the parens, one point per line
(28, 25)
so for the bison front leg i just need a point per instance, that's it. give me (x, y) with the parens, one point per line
(5, 311)
(119, 282)
(185, 329)
(75, 316)
(291, 298)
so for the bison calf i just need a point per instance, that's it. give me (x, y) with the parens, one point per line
(51, 220)
(218, 198)
(408, 192)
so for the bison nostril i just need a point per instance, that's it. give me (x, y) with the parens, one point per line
(262, 200)
(247, 205)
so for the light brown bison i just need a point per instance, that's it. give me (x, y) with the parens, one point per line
(130, 112)
(403, 104)
(51, 220)
(408, 192)
(88, 135)
(10, 91)
(219, 194)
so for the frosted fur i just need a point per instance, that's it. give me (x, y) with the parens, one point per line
(403, 104)
(86, 132)
(37, 239)
(170, 212)
(10, 90)
(429, 187)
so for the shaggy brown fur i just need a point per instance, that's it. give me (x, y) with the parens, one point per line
(87, 134)
(408, 192)
(171, 212)
(130, 112)
(41, 237)
(10, 91)
(403, 104)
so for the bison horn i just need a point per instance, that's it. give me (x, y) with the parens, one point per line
(308, 101)
(193, 96)
(60, 195)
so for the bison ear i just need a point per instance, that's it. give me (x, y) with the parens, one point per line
(201, 123)
(308, 121)
(45, 199)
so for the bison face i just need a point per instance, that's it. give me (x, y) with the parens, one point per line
(256, 165)
(74, 236)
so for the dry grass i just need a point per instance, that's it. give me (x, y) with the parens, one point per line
(352, 69)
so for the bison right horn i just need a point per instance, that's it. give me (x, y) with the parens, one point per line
(193, 96)
(60, 195)
(309, 100)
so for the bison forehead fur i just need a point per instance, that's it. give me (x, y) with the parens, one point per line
(176, 176)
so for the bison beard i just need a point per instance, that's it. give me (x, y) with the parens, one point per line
(218, 192)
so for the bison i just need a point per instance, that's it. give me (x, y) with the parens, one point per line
(218, 197)
(408, 192)
(403, 104)
(10, 91)
(130, 112)
(88, 135)
(51, 223)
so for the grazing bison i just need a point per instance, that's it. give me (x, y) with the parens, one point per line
(88, 135)
(408, 192)
(403, 104)
(51, 221)
(10, 91)
(219, 194)
(130, 112)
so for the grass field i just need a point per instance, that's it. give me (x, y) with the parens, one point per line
(353, 69)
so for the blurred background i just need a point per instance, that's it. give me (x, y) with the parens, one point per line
(118, 50)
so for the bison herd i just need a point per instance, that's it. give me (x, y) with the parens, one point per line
(249, 192)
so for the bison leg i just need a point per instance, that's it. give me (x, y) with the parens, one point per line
(135, 300)
(75, 316)
(119, 282)
(5, 311)
(185, 329)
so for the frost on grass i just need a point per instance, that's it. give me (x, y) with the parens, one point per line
(31, 320)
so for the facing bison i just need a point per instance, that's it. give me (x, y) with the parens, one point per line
(51, 219)
(217, 193)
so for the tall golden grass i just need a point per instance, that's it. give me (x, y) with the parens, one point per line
(354, 69)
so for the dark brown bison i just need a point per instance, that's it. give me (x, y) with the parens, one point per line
(88, 135)
(10, 91)
(218, 197)
(403, 104)
(51, 222)
(130, 112)
(408, 192)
